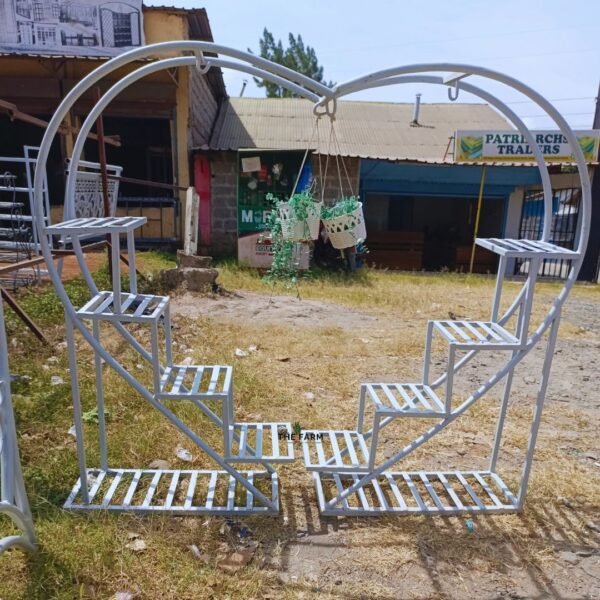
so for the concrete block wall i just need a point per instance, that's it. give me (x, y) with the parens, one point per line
(224, 203)
(331, 181)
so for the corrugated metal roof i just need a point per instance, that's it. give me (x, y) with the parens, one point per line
(379, 130)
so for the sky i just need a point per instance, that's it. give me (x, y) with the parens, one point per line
(550, 45)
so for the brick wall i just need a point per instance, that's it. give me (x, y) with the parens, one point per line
(224, 203)
(332, 180)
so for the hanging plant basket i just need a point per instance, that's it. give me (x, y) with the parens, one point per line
(300, 218)
(345, 223)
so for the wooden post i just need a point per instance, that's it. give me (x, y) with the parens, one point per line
(476, 230)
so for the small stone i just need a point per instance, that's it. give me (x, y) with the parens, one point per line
(187, 361)
(586, 553)
(591, 456)
(183, 454)
(56, 380)
(159, 464)
(52, 360)
(138, 545)
(282, 358)
(241, 353)
(309, 396)
(529, 379)
(566, 502)
(593, 526)
(252, 348)
(72, 431)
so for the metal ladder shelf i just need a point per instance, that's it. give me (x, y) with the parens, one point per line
(424, 492)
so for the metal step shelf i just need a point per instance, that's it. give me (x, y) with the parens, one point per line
(258, 442)
(181, 492)
(423, 492)
(134, 308)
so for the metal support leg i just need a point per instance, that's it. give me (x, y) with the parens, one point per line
(100, 401)
(498, 290)
(116, 271)
(374, 440)
(537, 413)
(131, 262)
(427, 357)
(361, 408)
(501, 419)
(155, 358)
(450, 378)
(168, 334)
(77, 409)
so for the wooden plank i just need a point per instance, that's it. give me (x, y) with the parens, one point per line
(18, 309)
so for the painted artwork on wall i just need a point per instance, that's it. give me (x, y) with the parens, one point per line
(70, 27)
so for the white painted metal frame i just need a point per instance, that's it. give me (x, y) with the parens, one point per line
(345, 465)
(13, 497)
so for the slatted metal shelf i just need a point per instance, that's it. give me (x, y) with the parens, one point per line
(405, 493)
(195, 381)
(96, 226)
(335, 451)
(526, 248)
(11, 205)
(479, 334)
(182, 492)
(406, 399)
(268, 442)
(15, 217)
(135, 308)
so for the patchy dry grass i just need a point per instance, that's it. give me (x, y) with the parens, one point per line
(86, 556)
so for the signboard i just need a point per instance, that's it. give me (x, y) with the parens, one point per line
(510, 146)
(256, 251)
(78, 27)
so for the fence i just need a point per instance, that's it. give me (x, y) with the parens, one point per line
(565, 215)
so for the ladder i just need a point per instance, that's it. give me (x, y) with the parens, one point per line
(352, 479)
(209, 388)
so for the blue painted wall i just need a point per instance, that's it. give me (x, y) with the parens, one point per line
(442, 180)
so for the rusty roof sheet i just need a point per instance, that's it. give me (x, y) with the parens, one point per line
(378, 130)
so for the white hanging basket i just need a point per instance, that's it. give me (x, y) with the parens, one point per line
(346, 231)
(300, 230)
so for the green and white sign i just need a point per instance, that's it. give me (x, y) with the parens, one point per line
(510, 146)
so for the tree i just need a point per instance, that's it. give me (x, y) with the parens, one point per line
(296, 56)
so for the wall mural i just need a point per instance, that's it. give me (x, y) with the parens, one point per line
(78, 27)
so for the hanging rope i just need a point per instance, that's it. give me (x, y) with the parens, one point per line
(315, 131)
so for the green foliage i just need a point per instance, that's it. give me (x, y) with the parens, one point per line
(345, 206)
(296, 56)
(300, 202)
(284, 267)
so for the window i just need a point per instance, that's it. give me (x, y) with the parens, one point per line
(38, 11)
(46, 36)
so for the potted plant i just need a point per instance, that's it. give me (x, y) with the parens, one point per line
(300, 217)
(344, 222)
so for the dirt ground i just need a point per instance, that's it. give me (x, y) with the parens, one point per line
(369, 555)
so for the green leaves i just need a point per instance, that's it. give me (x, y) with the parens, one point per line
(297, 56)
(345, 206)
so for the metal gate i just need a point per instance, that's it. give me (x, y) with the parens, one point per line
(565, 213)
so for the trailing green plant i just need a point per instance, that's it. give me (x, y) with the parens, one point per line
(300, 202)
(285, 265)
(344, 206)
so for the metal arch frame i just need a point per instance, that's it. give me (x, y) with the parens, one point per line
(13, 498)
(308, 88)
